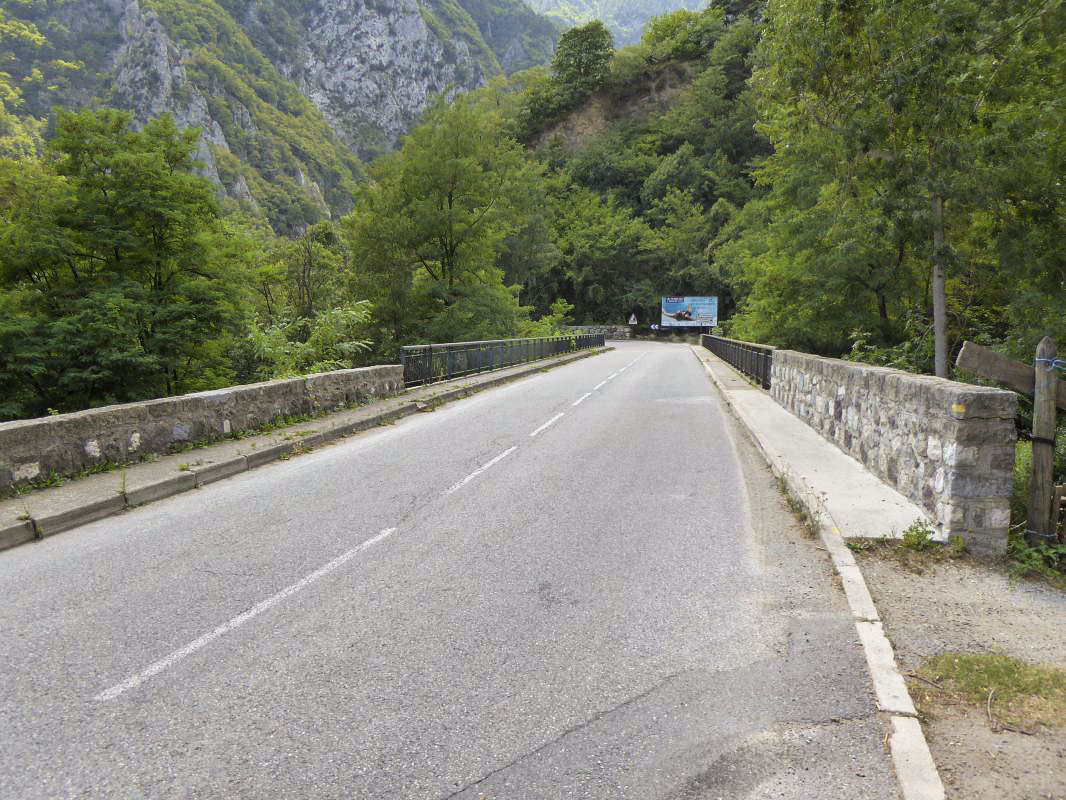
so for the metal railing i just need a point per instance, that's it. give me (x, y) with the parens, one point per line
(754, 360)
(429, 363)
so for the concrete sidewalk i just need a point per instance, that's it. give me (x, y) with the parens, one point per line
(840, 489)
(843, 500)
(73, 502)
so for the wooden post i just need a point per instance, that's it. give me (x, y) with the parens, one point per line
(1040, 527)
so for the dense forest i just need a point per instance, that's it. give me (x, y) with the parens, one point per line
(878, 180)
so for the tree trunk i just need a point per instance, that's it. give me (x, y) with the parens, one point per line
(940, 312)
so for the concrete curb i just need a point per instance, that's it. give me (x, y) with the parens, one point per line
(915, 770)
(194, 476)
(17, 533)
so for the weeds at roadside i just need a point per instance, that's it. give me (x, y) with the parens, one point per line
(1045, 561)
(915, 550)
(799, 511)
(918, 536)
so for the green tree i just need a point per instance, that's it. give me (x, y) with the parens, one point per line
(906, 94)
(120, 264)
(427, 230)
(582, 60)
(20, 134)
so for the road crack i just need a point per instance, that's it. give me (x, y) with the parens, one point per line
(568, 732)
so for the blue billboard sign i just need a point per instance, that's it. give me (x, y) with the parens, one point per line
(690, 312)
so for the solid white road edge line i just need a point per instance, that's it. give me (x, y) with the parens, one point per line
(583, 397)
(237, 621)
(548, 424)
(480, 469)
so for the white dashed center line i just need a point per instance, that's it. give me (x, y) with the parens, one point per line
(172, 659)
(583, 397)
(547, 424)
(481, 469)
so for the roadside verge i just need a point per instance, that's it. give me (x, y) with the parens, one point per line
(48, 511)
(842, 499)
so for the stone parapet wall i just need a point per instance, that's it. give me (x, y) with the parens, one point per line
(67, 444)
(947, 446)
(608, 331)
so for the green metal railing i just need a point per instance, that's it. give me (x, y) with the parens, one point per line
(429, 363)
(754, 360)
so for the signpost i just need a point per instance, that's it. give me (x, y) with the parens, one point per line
(689, 312)
(1041, 382)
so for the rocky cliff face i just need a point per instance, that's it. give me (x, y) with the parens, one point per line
(286, 91)
(372, 69)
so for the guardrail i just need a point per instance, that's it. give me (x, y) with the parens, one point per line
(754, 360)
(429, 363)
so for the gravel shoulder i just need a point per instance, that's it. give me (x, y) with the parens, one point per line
(969, 605)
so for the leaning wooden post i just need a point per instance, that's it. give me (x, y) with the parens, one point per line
(1040, 528)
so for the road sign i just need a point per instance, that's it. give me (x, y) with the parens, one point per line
(632, 319)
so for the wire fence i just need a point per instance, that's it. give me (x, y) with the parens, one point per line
(754, 360)
(429, 363)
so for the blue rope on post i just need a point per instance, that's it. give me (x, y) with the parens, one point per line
(1052, 363)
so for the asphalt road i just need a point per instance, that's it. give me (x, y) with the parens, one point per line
(618, 606)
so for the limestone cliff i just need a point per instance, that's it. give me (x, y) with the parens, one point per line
(287, 93)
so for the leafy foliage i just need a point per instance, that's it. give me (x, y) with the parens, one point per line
(894, 182)
(428, 229)
(114, 268)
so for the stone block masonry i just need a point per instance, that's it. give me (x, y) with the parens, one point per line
(70, 443)
(608, 331)
(947, 446)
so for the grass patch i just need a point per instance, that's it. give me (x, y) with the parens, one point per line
(1014, 695)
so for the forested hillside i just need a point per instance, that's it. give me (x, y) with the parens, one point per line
(287, 94)
(865, 179)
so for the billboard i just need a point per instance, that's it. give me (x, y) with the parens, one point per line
(690, 312)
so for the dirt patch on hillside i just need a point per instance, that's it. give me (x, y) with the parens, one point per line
(604, 110)
(971, 606)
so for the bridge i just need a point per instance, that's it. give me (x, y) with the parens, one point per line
(575, 577)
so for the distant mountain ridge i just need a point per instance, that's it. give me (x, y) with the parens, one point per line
(625, 18)
(288, 93)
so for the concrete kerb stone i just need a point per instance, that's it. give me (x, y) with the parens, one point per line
(19, 532)
(209, 473)
(158, 490)
(916, 771)
(264, 455)
(51, 524)
(12, 534)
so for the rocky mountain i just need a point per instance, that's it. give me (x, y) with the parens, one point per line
(289, 94)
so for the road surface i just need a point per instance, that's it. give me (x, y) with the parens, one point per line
(580, 585)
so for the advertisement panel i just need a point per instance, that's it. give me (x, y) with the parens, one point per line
(690, 312)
